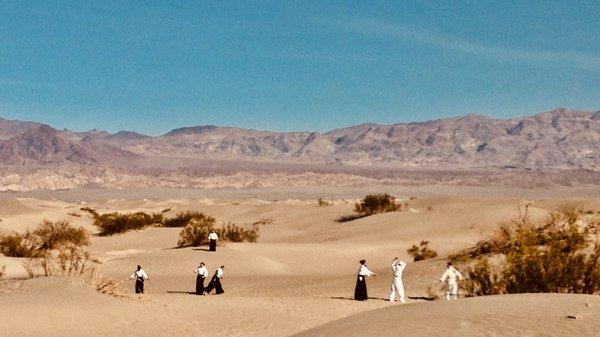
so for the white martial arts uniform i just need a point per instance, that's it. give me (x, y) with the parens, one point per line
(202, 271)
(397, 285)
(213, 236)
(364, 271)
(451, 277)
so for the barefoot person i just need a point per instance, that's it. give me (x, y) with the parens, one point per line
(397, 284)
(451, 277)
(140, 277)
(201, 275)
(212, 241)
(360, 291)
(215, 282)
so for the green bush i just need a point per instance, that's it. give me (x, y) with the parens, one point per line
(234, 233)
(422, 251)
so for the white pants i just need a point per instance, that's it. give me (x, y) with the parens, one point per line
(451, 290)
(397, 287)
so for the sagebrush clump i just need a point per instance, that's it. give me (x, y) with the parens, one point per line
(115, 222)
(422, 251)
(181, 219)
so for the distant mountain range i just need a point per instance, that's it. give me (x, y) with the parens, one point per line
(557, 147)
(553, 140)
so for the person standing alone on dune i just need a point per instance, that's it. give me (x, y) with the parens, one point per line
(451, 277)
(397, 284)
(212, 241)
(360, 291)
(201, 275)
(140, 277)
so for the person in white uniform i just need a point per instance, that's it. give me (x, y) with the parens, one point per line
(140, 277)
(212, 241)
(451, 277)
(397, 284)
(201, 275)
(360, 291)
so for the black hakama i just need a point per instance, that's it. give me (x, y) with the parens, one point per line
(360, 291)
(212, 245)
(199, 285)
(215, 283)
(139, 285)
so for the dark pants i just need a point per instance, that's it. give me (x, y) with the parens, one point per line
(215, 283)
(360, 291)
(139, 285)
(212, 245)
(199, 285)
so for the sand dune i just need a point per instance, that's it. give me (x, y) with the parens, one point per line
(300, 275)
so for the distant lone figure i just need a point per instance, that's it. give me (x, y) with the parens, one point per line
(215, 282)
(451, 277)
(397, 284)
(360, 291)
(140, 277)
(201, 275)
(212, 241)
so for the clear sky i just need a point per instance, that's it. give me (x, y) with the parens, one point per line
(153, 66)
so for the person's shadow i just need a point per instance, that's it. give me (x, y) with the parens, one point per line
(181, 292)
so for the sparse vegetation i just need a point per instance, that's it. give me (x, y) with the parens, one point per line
(2, 270)
(17, 245)
(323, 203)
(195, 233)
(373, 204)
(554, 256)
(376, 203)
(422, 251)
(181, 219)
(115, 222)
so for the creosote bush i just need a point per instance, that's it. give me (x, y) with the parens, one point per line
(115, 222)
(554, 256)
(422, 251)
(322, 202)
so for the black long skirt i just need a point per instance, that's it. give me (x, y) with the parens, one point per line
(139, 286)
(360, 291)
(215, 283)
(199, 285)
(212, 245)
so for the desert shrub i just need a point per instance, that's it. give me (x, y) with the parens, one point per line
(18, 245)
(181, 219)
(195, 233)
(234, 233)
(321, 202)
(2, 270)
(115, 222)
(376, 203)
(422, 251)
(51, 234)
(550, 257)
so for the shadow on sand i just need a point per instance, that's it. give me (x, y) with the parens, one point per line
(181, 292)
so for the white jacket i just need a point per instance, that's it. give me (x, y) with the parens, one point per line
(451, 276)
(398, 267)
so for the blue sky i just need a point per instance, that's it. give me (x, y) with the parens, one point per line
(154, 66)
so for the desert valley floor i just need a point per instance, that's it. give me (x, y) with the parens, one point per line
(297, 279)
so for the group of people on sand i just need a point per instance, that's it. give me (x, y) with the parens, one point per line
(450, 278)
(201, 272)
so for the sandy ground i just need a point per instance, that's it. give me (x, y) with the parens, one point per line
(299, 276)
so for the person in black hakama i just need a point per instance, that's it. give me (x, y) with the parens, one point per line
(140, 276)
(360, 291)
(212, 241)
(215, 282)
(201, 275)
